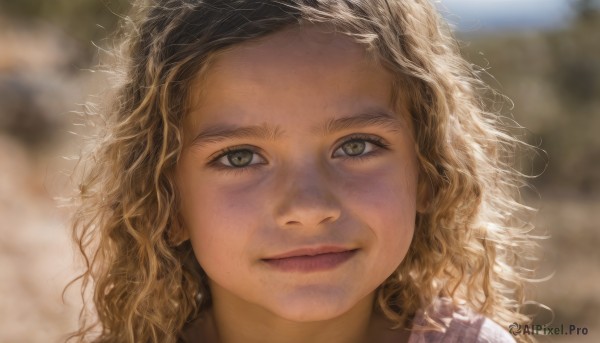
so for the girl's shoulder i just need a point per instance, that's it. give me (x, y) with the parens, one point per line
(459, 325)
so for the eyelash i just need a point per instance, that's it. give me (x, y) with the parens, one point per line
(376, 141)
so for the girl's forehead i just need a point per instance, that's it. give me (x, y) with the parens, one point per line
(299, 48)
(292, 69)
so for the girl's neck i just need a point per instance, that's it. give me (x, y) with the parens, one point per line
(259, 325)
(225, 324)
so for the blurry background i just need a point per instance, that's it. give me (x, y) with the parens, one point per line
(543, 54)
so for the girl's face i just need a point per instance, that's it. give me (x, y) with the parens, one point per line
(298, 179)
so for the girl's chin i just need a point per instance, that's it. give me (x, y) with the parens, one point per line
(313, 307)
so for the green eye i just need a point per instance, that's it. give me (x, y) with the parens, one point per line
(237, 159)
(360, 146)
(354, 148)
(240, 158)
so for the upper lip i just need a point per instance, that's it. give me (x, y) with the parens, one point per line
(310, 251)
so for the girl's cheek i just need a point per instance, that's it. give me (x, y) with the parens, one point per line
(389, 184)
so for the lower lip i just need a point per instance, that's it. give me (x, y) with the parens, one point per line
(311, 263)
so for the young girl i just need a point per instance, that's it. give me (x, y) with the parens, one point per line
(299, 171)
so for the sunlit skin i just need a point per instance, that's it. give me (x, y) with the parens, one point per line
(297, 185)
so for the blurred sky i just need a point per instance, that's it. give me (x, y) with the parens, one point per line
(503, 15)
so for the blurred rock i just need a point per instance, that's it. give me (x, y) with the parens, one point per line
(36, 82)
(21, 114)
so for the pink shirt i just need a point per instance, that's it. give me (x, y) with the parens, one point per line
(460, 325)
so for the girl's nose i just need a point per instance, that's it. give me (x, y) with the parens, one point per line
(307, 200)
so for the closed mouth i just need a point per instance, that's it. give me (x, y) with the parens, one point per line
(313, 261)
(311, 251)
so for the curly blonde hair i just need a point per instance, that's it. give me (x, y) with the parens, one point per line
(469, 244)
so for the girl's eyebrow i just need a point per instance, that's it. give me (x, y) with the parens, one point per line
(379, 119)
(219, 133)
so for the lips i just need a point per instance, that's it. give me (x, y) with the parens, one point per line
(311, 259)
